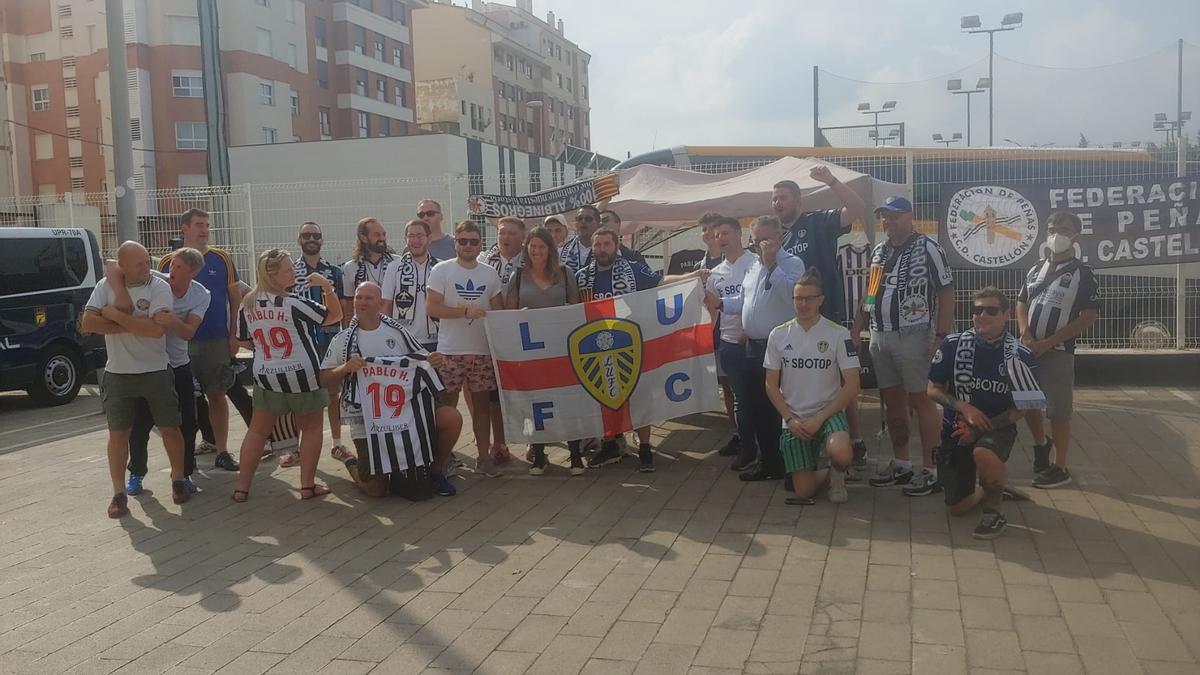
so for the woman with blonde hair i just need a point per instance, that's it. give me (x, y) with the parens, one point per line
(278, 327)
(543, 282)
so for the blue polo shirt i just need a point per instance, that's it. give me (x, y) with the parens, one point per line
(219, 276)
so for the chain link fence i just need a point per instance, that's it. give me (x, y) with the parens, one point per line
(1143, 307)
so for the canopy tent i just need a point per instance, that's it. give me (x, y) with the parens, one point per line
(667, 198)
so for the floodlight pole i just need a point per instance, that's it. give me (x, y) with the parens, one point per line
(1181, 171)
(991, 33)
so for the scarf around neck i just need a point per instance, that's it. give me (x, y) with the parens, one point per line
(623, 279)
(1026, 393)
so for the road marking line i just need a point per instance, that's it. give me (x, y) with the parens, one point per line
(55, 422)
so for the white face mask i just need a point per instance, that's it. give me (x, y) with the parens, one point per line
(1059, 243)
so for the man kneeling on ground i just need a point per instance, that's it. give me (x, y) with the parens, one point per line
(403, 415)
(812, 375)
(986, 380)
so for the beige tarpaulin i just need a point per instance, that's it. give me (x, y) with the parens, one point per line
(667, 198)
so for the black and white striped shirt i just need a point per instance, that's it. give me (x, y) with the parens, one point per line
(1056, 293)
(913, 273)
(398, 397)
(854, 264)
(280, 327)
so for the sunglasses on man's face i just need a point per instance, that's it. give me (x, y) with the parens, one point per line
(427, 214)
(990, 310)
(311, 236)
(467, 242)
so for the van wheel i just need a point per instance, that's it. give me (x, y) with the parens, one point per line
(58, 377)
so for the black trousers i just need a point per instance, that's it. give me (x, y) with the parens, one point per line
(763, 416)
(237, 395)
(139, 434)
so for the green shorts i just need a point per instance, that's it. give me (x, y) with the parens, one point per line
(119, 394)
(801, 455)
(280, 403)
(211, 365)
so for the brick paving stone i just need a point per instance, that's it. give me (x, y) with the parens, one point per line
(626, 641)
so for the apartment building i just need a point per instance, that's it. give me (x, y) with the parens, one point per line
(292, 70)
(499, 74)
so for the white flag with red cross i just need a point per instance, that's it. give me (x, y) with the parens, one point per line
(604, 367)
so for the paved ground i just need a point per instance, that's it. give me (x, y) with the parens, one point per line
(685, 570)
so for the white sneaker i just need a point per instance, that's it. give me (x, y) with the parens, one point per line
(837, 487)
(485, 468)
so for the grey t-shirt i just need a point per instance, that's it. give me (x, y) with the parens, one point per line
(443, 249)
(529, 295)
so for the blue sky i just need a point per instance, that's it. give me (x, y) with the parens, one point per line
(710, 72)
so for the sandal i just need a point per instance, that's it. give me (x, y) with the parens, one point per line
(340, 453)
(313, 491)
(244, 495)
(800, 501)
(289, 460)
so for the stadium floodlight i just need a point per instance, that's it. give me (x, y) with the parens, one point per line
(946, 141)
(872, 134)
(984, 83)
(1013, 19)
(864, 106)
(1135, 144)
(1185, 116)
(972, 24)
(1160, 117)
(953, 85)
(1160, 125)
(957, 136)
(1116, 144)
(889, 105)
(895, 133)
(937, 137)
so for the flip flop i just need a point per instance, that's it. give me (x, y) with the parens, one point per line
(289, 460)
(240, 496)
(314, 491)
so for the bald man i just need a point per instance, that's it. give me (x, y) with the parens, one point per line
(373, 334)
(132, 309)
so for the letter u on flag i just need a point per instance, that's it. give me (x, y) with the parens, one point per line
(604, 367)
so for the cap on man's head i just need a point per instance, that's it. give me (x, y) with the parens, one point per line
(557, 217)
(895, 204)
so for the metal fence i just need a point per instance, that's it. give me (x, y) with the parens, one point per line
(1143, 307)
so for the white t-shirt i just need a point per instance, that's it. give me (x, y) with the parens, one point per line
(810, 363)
(194, 301)
(130, 354)
(389, 339)
(726, 281)
(461, 286)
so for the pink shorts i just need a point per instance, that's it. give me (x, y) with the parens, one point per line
(473, 370)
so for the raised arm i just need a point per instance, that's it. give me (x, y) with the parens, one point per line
(853, 207)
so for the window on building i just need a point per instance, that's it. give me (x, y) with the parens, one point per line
(560, 81)
(360, 82)
(396, 11)
(187, 84)
(295, 104)
(266, 93)
(43, 145)
(360, 40)
(67, 61)
(364, 124)
(401, 97)
(66, 32)
(569, 86)
(319, 31)
(464, 107)
(378, 48)
(585, 92)
(289, 10)
(135, 129)
(270, 136)
(74, 133)
(509, 63)
(323, 74)
(293, 56)
(41, 97)
(184, 30)
(70, 82)
(323, 121)
(75, 162)
(191, 136)
(398, 56)
(384, 127)
(264, 41)
(72, 111)
(381, 89)
(37, 57)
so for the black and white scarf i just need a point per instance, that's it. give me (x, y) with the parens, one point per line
(504, 268)
(623, 279)
(1026, 393)
(409, 276)
(350, 386)
(360, 271)
(569, 254)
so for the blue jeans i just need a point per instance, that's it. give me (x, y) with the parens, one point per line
(733, 362)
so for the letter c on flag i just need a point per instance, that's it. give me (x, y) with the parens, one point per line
(674, 393)
(542, 411)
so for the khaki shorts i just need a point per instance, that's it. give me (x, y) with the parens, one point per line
(902, 359)
(281, 403)
(211, 365)
(119, 394)
(1056, 375)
